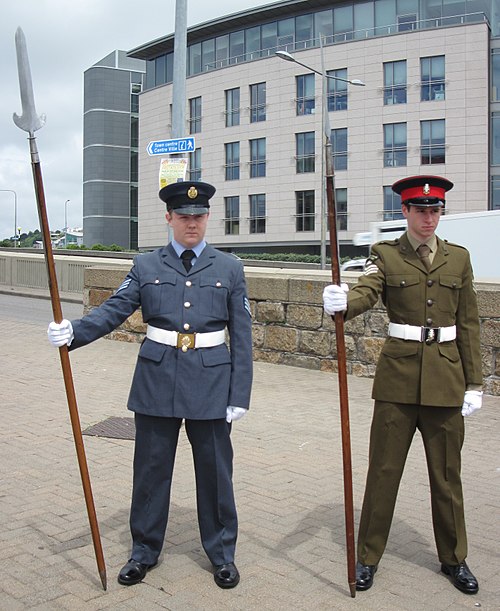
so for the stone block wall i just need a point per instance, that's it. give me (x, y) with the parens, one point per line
(291, 328)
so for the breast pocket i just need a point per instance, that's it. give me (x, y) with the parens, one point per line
(214, 296)
(403, 293)
(449, 293)
(157, 294)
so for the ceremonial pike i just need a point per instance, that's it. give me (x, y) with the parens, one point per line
(30, 122)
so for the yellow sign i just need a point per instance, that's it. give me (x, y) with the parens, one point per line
(172, 170)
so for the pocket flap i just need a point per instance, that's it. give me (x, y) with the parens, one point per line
(452, 282)
(449, 351)
(215, 356)
(158, 279)
(402, 280)
(399, 348)
(153, 351)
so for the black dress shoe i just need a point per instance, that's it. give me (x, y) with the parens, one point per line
(364, 576)
(226, 575)
(461, 577)
(133, 572)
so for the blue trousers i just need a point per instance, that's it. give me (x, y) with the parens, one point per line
(155, 447)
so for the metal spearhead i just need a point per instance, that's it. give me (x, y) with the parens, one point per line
(29, 121)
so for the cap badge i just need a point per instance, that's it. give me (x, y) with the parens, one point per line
(426, 189)
(192, 193)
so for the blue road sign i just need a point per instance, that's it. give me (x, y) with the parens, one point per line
(171, 147)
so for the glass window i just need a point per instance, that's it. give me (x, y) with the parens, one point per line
(236, 47)
(252, 43)
(495, 138)
(257, 102)
(232, 215)
(304, 31)
(341, 209)
(194, 59)
(134, 97)
(257, 158)
(269, 33)
(323, 24)
(433, 143)
(258, 213)
(395, 82)
(338, 139)
(343, 23)
(305, 102)
(134, 132)
(232, 107)
(495, 75)
(395, 147)
(392, 205)
(195, 115)
(495, 192)
(222, 50)
(304, 207)
(337, 90)
(305, 154)
(232, 154)
(364, 19)
(385, 17)
(170, 68)
(195, 165)
(134, 166)
(432, 78)
(208, 55)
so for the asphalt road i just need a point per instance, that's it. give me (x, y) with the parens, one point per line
(34, 310)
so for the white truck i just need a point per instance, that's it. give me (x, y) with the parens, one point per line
(479, 232)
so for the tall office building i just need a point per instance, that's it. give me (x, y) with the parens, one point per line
(429, 106)
(110, 154)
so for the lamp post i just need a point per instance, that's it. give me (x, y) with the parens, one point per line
(66, 222)
(326, 130)
(15, 211)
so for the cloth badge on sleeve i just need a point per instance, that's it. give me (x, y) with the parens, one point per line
(246, 305)
(124, 284)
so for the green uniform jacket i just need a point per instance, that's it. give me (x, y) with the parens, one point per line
(410, 371)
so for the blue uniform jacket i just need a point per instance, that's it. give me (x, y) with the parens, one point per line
(197, 384)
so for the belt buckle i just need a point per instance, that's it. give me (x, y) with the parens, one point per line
(430, 335)
(185, 341)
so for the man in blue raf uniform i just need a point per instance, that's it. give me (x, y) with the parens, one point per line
(189, 294)
(428, 375)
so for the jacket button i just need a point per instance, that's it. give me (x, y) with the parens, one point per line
(186, 326)
(430, 302)
(430, 282)
(454, 285)
(187, 304)
(218, 284)
(188, 282)
(157, 281)
(402, 283)
(429, 322)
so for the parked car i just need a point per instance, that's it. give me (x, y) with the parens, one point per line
(353, 265)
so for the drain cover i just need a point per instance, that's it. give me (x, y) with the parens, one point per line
(114, 428)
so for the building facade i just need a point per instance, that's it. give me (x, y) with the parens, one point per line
(428, 106)
(110, 150)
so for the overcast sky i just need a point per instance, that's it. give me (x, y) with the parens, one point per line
(64, 38)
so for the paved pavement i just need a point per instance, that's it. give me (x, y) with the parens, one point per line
(288, 480)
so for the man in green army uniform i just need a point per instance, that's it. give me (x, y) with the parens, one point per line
(428, 375)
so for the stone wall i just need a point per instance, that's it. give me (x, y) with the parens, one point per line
(290, 327)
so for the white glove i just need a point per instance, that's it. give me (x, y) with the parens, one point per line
(335, 298)
(60, 333)
(234, 413)
(473, 400)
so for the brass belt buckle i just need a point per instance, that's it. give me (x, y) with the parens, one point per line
(185, 341)
(430, 335)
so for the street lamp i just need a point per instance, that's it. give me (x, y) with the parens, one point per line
(15, 211)
(326, 129)
(66, 222)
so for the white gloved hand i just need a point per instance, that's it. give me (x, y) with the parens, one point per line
(234, 413)
(335, 298)
(60, 333)
(473, 401)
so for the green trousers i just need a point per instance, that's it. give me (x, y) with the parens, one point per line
(392, 431)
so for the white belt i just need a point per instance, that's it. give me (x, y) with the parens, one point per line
(423, 334)
(184, 341)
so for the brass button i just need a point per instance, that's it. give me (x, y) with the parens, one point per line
(186, 326)
(430, 302)
(402, 283)
(429, 322)
(188, 282)
(184, 348)
(430, 282)
(157, 281)
(454, 285)
(187, 304)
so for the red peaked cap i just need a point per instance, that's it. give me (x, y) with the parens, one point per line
(423, 190)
